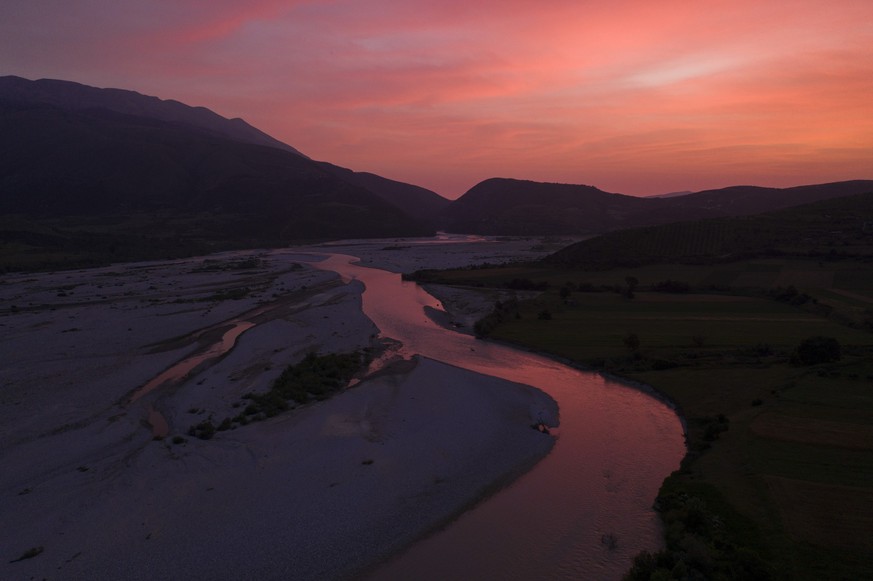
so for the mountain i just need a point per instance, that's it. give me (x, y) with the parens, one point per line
(744, 200)
(71, 96)
(413, 200)
(826, 229)
(516, 207)
(672, 194)
(420, 203)
(177, 176)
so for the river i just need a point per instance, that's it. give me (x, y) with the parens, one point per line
(581, 513)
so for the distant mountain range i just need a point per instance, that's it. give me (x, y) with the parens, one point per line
(517, 207)
(74, 153)
(110, 174)
(66, 95)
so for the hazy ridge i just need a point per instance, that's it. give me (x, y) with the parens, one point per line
(90, 176)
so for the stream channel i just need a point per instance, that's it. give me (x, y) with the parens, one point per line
(581, 513)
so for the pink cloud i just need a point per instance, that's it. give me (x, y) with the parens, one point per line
(632, 96)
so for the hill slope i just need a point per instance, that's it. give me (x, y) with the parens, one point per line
(827, 228)
(420, 203)
(518, 207)
(72, 96)
(97, 177)
(744, 200)
(506, 206)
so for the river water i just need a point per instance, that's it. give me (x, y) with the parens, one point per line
(581, 513)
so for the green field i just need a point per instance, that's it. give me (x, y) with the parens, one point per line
(778, 482)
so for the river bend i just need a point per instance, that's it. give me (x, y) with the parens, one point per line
(581, 513)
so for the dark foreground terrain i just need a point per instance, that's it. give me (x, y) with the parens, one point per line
(769, 356)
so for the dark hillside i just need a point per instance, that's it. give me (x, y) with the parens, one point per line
(420, 203)
(67, 95)
(517, 207)
(91, 163)
(103, 180)
(829, 229)
(743, 200)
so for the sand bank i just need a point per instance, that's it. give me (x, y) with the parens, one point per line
(315, 493)
(310, 495)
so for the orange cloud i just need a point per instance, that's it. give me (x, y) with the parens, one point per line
(631, 96)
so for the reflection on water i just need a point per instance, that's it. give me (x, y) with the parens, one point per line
(180, 370)
(440, 238)
(581, 513)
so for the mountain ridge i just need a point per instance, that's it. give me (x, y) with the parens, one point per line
(75, 156)
(522, 207)
(98, 175)
(76, 96)
(830, 229)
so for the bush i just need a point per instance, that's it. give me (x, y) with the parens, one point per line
(526, 284)
(29, 554)
(671, 286)
(204, 430)
(815, 350)
(662, 364)
(484, 326)
(760, 350)
(632, 342)
(316, 376)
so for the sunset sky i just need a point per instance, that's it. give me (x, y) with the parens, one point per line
(636, 96)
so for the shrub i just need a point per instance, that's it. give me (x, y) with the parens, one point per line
(526, 284)
(662, 364)
(714, 426)
(815, 350)
(318, 376)
(29, 554)
(632, 342)
(484, 326)
(632, 283)
(204, 430)
(671, 286)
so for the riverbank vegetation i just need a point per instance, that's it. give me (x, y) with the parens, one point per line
(316, 377)
(770, 360)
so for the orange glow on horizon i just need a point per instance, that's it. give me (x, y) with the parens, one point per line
(635, 97)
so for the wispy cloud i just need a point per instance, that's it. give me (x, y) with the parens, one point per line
(632, 96)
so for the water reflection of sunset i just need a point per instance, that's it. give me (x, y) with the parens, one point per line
(615, 445)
